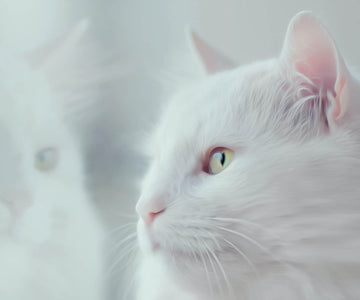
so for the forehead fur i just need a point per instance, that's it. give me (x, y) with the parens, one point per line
(262, 99)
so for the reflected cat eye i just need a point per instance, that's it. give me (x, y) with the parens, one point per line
(219, 159)
(46, 159)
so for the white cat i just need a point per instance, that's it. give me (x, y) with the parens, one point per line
(253, 191)
(50, 236)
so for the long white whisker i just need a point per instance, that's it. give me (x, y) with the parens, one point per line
(245, 237)
(246, 222)
(206, 269)
(127, 250)
(242, 221)
(131, 283)
(214, 270)
(228, 285)
(123, 241)
(242, 254)
(116, 229)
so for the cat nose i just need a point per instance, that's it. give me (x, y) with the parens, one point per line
(149, 210)
(149, 218)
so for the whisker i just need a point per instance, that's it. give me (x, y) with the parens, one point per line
(126, 251)
(242, 254)
(228, 285)
(206, 270)
(122, 241)
(214, 270)
(122, 226)
(121, 230)
(132, 281)
(246, 222)
(242, 221)
(128, 216)
(250, 240)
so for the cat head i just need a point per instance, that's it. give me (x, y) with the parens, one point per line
(252, 162)
(41, 179)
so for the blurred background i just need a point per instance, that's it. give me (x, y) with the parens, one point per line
(146, 41)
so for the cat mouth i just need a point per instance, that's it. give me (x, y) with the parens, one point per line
(160, 245)
(155, 245)
(178, 247)
(147, 239)
(174, 251)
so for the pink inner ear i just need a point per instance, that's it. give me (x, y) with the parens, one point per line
(311, 50)
(320, 72)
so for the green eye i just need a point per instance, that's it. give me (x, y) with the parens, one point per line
(46, 159)
(220, 158)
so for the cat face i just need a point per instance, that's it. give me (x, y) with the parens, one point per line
(41, 168)
(249, 166)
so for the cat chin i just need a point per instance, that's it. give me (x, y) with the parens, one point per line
(194, 278)
(186, 269)
(152, 244)
(146, 240)
(192, 270)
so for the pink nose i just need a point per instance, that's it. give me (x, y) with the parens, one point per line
(149, 217)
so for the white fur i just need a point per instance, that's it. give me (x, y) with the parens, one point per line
(50, 237)
(281, 222)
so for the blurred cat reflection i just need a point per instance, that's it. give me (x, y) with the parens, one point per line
(50, 238)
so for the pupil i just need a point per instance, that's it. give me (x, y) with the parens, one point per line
(222, 160)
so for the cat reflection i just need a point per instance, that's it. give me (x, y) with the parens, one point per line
(50, 237)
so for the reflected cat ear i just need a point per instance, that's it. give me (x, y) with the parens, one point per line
(310, 50)
(56, 50)
(73, 66)
(212, 60)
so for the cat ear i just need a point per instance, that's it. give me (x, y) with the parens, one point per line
(56, 50)
(212, 60)
(311, 51)
(74, 67)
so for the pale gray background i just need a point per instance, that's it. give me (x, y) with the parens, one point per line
(148, 38)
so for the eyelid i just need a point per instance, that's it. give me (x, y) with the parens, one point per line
(207, 156)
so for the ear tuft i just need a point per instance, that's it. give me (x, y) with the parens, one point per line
(212, 60)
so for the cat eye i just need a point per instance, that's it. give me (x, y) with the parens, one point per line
(46, 159)
(219, 159)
